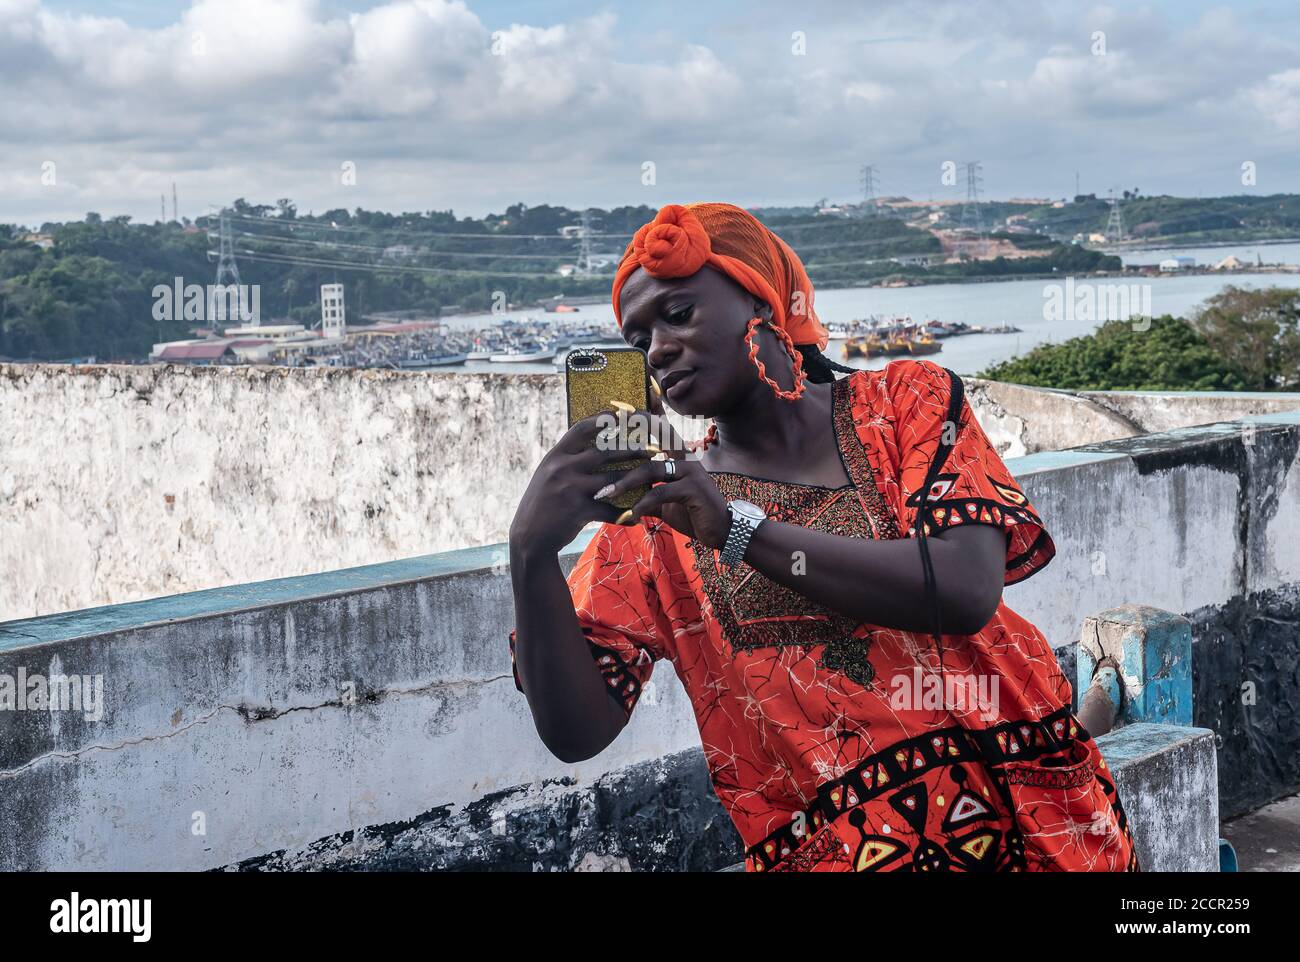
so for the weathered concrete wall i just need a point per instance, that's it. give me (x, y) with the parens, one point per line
(369, 713)
(1246, 679)
(652, 816)
(285, 712)
(1022, 420)
(1167, 779)
(119, 483)
(1201, 521)
(1157, 411)
(1025, 420)
(1178, 521)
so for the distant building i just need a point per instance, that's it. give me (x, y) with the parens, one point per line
(207, 351)
(270, 332)
(333, 315)
(914, 260)
(43, 241)
(1229, 263)
(1172, 264)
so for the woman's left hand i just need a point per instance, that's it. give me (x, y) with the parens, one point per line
(688, 499)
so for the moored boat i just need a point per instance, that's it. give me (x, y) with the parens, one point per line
(432, 359)
(523, 356)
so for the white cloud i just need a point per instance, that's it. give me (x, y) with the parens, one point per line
(438, 107)
(1278, 99)
(868, 90)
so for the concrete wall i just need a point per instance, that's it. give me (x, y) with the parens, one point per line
(1167, 778)
(285, 712)
(1025, 420)
(119, 483)
(368, 716)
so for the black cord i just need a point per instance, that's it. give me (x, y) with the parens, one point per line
(953, 417)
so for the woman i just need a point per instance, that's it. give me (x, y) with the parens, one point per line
(865, 699)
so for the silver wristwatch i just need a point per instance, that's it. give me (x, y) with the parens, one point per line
(745, 519)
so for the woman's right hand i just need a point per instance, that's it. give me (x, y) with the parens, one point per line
(559, 502)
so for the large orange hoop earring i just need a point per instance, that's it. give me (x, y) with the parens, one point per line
(792, 395)
(702, 444)
(795, 355)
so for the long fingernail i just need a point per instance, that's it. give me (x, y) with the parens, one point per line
(625, 517)
(654, 449)
(654, 386)
(604, 492)
(622, 406)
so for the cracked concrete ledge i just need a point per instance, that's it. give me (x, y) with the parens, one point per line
(254, 714)
(657, 815)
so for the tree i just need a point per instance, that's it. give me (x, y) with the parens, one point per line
(1258, 331)
(1169, 355)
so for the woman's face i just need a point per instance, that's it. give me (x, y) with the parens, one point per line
(692, 330)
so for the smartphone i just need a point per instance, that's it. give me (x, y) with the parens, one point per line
(595, 376)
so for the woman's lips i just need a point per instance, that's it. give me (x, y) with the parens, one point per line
(679, 384)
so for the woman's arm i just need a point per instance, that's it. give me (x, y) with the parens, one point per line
(570, 701)
(878, 582)
(881, 582)
(574, 714)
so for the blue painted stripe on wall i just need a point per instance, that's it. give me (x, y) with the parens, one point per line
(87, 622)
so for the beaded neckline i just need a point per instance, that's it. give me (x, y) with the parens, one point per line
(788, 484)
(839, 399)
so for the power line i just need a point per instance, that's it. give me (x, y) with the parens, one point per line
(272, 221)
(316, 225)
(315, 260)
(815, 266)
(840, 245)
(269, 238)
(295, 261)
(581, 256)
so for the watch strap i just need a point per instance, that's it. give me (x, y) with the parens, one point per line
(738, 537)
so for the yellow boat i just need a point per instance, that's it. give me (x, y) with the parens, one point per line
(921, 344)
(863, 347)
(925, 344)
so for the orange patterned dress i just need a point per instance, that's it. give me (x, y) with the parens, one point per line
(838, 746)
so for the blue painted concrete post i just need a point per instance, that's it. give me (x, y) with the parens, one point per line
(1152, 651)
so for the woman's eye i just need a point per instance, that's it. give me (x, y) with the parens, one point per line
(681, 315)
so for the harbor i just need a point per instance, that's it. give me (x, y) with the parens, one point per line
(869, 326)
(422, 345)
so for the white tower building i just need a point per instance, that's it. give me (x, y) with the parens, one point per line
(333, 318)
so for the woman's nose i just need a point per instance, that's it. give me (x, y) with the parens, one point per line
(663, 349)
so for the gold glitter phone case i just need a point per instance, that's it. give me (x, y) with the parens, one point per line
(595, 376)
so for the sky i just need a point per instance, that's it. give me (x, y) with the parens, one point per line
(423, 105)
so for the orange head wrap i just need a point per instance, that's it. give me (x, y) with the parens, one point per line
(681, 240)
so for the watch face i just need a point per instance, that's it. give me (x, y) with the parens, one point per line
(748, 510)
